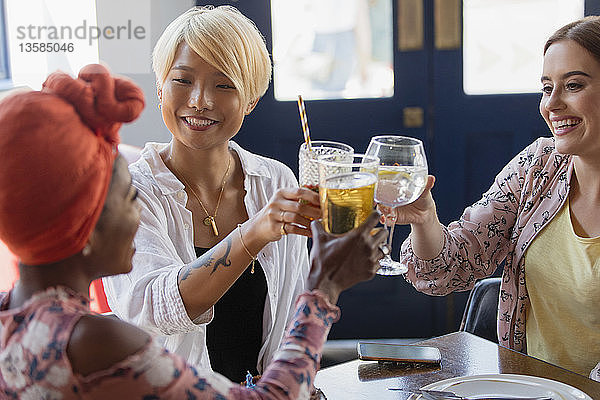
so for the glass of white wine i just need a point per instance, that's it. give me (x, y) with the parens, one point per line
(346, 190)
(402, 176)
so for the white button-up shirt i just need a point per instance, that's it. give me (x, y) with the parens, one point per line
(149, 295)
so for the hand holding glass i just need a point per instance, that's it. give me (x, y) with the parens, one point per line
(346, 190)
(402, 178)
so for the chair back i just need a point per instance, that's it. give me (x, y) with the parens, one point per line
(481, 312)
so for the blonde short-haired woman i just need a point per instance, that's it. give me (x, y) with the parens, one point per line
(212, 67)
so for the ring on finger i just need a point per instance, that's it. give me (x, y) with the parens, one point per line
(282, 230)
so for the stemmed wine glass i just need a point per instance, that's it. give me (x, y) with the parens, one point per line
(402, 177)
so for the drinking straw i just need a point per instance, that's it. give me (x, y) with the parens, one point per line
(304, 121)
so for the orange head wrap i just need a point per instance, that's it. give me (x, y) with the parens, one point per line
(58, 147)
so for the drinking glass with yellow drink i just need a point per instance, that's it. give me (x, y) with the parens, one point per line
(308, 168)
(346, 190)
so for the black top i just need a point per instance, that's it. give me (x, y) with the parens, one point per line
(234, 337)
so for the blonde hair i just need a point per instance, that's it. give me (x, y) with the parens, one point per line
(226, 39)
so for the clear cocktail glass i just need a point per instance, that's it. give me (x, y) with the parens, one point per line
(402, 177)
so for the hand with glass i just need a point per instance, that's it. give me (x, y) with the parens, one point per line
(402, 178)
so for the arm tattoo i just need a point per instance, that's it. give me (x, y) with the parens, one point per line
(206, 260)
(223, 260)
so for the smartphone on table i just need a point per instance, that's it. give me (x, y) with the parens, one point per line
(402, 353)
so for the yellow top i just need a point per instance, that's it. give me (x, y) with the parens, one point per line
(562, 274)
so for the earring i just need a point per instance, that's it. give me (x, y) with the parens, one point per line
(87, 250)
(160, 106)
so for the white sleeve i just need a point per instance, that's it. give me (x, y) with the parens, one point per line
(298, 257)
(148, 296)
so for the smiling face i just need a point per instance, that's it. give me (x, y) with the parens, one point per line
(571, 98)
(200, 105)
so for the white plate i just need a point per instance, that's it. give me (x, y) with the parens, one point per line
(507, 385)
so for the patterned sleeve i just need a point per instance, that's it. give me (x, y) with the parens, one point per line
(476, 244)
(155, 373)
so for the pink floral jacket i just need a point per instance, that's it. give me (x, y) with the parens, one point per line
(524, 197)
(34, 362)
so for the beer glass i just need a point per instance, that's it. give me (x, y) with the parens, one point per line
(346, 190)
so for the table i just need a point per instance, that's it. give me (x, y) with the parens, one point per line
(462, 354)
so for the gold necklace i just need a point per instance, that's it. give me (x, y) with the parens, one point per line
(210, 219)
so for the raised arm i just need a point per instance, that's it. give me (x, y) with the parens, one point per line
(169, 290)
(205, 280)
(442, 259)
(338, 262)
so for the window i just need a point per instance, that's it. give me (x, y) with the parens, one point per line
(33, 23)
(332, 49)
(49, 35)
(503, 42)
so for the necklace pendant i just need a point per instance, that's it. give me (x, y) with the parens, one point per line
(210, 221)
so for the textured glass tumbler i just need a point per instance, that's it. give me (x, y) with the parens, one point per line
(308, 168)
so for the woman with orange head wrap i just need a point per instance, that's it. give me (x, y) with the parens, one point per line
(69, 212)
